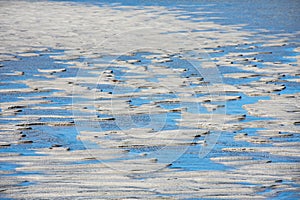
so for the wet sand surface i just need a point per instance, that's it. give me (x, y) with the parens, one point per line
(120, 101)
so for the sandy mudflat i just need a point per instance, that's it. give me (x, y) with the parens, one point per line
(154, 102)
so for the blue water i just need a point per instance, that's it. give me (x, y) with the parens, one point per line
(267, 17)
(272, 15)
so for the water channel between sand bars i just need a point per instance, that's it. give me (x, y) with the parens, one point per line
(149, 101)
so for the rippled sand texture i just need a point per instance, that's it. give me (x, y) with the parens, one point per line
(72, 73)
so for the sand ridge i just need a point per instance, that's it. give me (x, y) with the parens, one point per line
(85, 44)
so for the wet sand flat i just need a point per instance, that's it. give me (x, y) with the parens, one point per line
(122, 101)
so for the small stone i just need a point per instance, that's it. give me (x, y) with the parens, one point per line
(297, 123)
(24, 128)
(15, 107)
(133, 61)
(107, 119)
(56, 145)
(51, 71)
(25, 142)
(4, 144)
(154, 160)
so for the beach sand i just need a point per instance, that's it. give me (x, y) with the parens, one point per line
(129, 102)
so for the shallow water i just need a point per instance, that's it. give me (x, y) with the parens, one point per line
(280, 18)
(272, 15)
